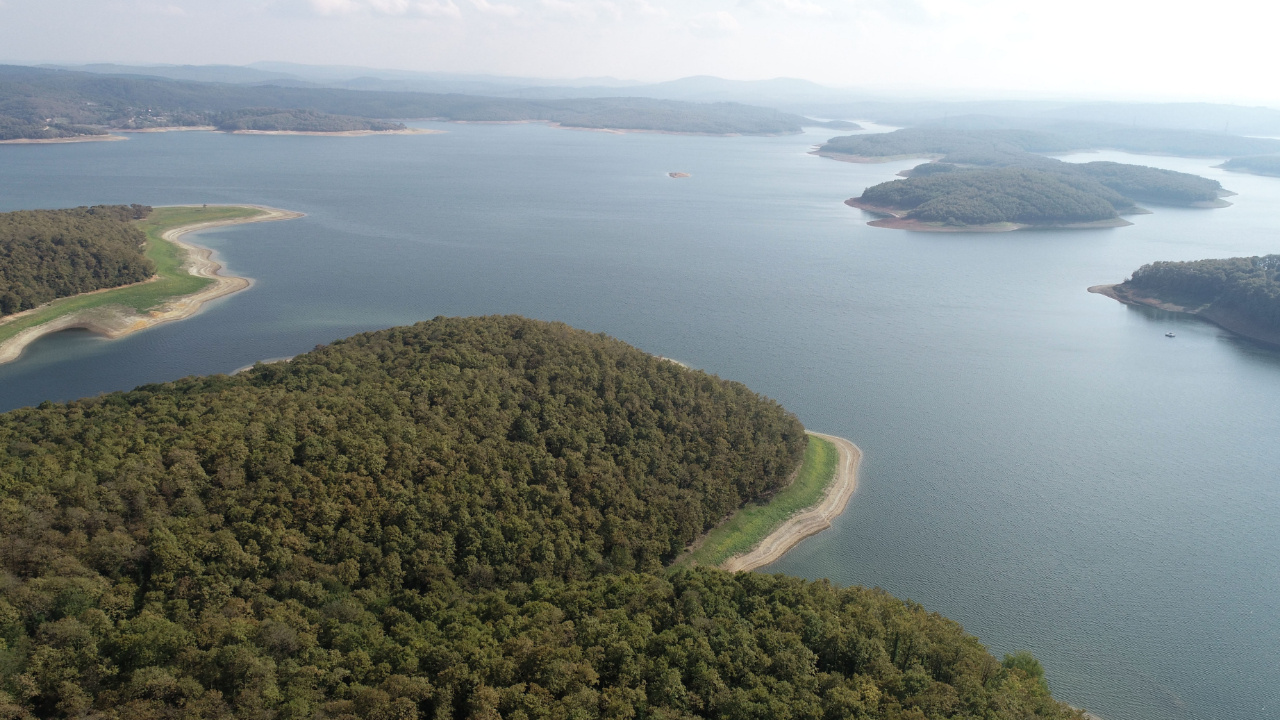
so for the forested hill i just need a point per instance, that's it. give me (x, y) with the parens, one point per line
(466, 518)
(40, 103)
(1001, 195)
(48, 254)
(276, 120)
(1240, 293)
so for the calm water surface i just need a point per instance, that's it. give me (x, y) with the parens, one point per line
(1042, 464)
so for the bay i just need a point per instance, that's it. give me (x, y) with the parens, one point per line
(1042, 464)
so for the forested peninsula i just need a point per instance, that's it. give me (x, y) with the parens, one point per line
(49, 254)
(42, 104)
(1239, 294)
(984, 180)
(113, 270)
(466, 518)
(1257, 165)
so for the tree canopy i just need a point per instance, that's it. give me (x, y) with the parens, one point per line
(982, 197)
(277, 119)
(48, 254)
(466, 518)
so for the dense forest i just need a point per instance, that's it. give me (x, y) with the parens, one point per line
(1257, 164)
(48, 254)
(1245, 288)
(36, 102)
(982, 197)
(466, 518)
(276, 119)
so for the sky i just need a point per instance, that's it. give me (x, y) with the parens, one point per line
(1104, 49)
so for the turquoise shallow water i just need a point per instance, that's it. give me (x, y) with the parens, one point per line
(1042, 464)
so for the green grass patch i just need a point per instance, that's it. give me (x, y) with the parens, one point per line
(172, 280)
(753, 523)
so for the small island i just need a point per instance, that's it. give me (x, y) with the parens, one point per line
(678, 175)
(156, 278)
(1241, 294)
(992, 181)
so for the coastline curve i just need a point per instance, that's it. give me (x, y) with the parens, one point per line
(812, 521)
(117, 321)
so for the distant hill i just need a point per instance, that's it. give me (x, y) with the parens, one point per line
(982, 140)
(36, 102)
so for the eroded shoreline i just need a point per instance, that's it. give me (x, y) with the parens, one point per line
(115, 321)
(812, 521)
(1230, 323)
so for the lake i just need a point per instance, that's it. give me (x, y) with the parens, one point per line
(1041, 464)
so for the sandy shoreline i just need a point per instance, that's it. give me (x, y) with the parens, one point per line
(807, 523)
(341, 133)
(60, 141)
(114, 322)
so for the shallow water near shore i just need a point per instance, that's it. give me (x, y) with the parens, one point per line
(1041, 464)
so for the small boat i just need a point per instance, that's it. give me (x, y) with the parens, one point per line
(1169, 334)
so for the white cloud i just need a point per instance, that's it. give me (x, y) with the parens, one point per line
(424, 8)
(715, 24)
(793, 8)
(489, 8)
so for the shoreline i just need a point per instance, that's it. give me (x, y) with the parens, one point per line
(338, 133)
(61, 141)
(809, 522)
(114, 322)
(1233, 325)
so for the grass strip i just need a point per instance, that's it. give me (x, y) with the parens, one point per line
(754, 522)
(171, 279)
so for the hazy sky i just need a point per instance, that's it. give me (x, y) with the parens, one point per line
(1093, 48)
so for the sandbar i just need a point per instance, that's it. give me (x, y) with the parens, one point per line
(812, 521)
(114, 321)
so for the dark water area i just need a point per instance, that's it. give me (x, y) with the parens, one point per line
(1041, 464)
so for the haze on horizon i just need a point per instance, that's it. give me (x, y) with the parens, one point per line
(1084, 49)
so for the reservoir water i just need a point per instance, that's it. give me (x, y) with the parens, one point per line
(1042, 464)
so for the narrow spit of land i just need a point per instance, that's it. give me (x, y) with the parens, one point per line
(186, 278)
(760, 534)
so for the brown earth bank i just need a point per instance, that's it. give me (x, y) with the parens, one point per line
(807, 523)
(1230, 322)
